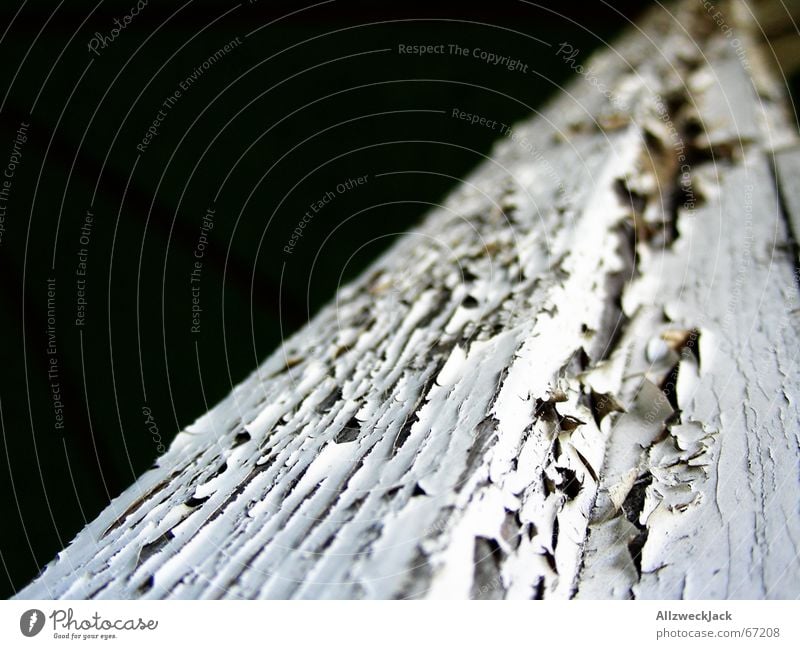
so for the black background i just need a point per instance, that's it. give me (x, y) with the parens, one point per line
(310, 87)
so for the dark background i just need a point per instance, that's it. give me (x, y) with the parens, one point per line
(305, 87)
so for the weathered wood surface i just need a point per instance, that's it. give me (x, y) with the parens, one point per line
(578, 378)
